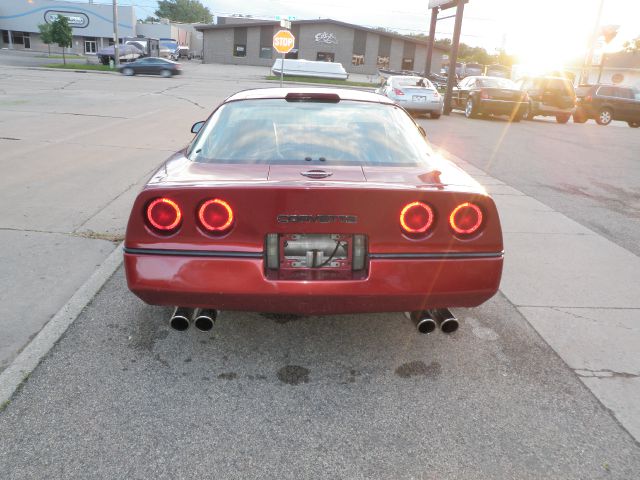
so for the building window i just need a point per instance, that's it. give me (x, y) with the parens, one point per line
(265, 52)
(407, 64)
(239, 50)
(293, 54)
(90, 46)
(5, 36)
(383, 62)
(357, 59)
(27, 39)
(18, 39)
(325, 56)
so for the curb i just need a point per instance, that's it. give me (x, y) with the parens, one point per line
(31, 356)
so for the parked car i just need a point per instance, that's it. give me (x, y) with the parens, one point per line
(151, 66)
(312, 201)
(479, 95)
(473, 69)
(549, 96)
(498, 71)
(414, 94)
(605, 103)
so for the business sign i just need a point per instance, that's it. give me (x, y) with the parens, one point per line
(444, 4)
(75, 19)
(326, 37)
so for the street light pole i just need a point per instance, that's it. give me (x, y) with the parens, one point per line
(432, 34)
(453, 58)
(116, 49)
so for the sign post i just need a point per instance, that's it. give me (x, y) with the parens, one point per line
(283, 43)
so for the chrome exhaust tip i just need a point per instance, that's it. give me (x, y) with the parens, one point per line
(205, 319)
(181, 318)
(423, 321)
(446, 320)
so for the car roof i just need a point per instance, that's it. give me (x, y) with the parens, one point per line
(343, 93)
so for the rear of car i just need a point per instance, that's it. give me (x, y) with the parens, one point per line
(605, 103)
(151, 66)
(313, 203)
(493, 95)
(549, 96)
(415, 94)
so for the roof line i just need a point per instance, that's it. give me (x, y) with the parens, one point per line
(318, 21)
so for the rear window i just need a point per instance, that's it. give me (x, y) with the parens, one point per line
(495, 82)
(560, 85)
(416, 82)
(274, 131)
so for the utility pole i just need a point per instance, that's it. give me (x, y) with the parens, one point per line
(586, 67)
(453, 58)
(116, 48)
(432, 39)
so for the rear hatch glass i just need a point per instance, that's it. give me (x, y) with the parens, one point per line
(313, 134)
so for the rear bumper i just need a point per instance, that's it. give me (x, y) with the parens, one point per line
(240, 284)
(501, 107)
(540, 108)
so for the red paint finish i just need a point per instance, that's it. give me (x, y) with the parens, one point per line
(241, 284)
(287, 200)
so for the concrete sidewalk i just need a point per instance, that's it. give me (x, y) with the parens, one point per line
(580, 291)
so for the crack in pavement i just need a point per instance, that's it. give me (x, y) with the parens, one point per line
(68, 113)
(76, 231)
(68, 84)
(604, 373)
(592, 320)
(90, 234)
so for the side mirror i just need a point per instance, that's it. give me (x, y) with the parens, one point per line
(195, 128)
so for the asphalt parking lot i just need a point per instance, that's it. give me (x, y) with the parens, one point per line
(539, 382)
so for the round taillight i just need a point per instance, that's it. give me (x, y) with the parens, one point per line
(164, 215)
(416, 217)
(466, 218)
(215, 215)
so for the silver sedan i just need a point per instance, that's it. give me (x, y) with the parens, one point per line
(414, 94)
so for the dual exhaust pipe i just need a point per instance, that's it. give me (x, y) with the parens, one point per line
(183, 317)
(427, 321)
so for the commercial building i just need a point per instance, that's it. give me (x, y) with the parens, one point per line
(359, 49)
(91, 24)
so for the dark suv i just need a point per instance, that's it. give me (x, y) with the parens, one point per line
(549, 96)
(608, 102)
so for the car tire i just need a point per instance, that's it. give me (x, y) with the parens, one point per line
(528, 112)
(128, 71)
(436, 116)
(562, 118)
(579, 117)
(516, 118)
(605, 116)
(471, 110)
(634, 124)
(165, 73)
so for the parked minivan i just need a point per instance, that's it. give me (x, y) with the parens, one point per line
(549, 96)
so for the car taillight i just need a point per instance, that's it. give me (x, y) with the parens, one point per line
(588, 98)
(215, 215)
(398, 92)
(525, 97)
(466, 219)
(484, 94)
(416, 217)
(164, 215)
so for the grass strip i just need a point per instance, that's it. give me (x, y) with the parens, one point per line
(80, 66)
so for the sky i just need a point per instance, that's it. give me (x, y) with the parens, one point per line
(535, 30)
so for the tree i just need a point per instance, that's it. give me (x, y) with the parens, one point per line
(46, 35)
(61, 34)
(186, 11)
(632, 46)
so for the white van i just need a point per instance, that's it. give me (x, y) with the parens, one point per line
(308, 68)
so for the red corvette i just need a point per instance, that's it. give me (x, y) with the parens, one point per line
(312, 201)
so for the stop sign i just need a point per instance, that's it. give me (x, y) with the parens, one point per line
(283, 41)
